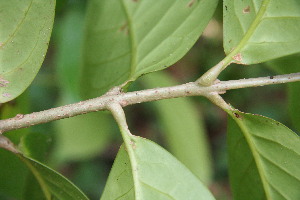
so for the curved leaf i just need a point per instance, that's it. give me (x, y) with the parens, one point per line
(182, 128)
(259, 30)
(128, 38)
(25, 31)
(264, 158)
(12, 175)
(92, 130)
(53, 185)
(158, 175)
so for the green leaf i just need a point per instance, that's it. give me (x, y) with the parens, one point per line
(126, 38)
(68, 40)
(35, 145)
(264, 158)
(260, 30)
(286, 65)
(182, 128)
(82, 137)
(156, 175)
(53, 184)
(24, 36)
(12, 175)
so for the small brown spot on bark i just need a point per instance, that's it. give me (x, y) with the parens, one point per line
(19, 116)
(271, 77)
(238, 57)
(123, 103)
(246, 10)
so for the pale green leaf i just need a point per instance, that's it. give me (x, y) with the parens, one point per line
(264, 158)
(25, 30)
(69, 38)
(182, 128)
(82, 137)
(286, 65)
(260, 30)
(156, 175)
(126, 38)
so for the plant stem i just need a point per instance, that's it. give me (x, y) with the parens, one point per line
(130, 98)
(119, 115)
(234, 56)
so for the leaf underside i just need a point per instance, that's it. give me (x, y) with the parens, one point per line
(125, 38)
(158, 176)
(264, 158)
(256, 31)
(25, 32)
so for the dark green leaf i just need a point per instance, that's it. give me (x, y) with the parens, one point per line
(264, 158)
(182, 128)
(25, 32)
(260, 30)
(53, 184)
(127, 38)
(151, 173)
(12, 175)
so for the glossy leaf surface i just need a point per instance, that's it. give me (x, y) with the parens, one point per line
(182, 128)
(156, 175)
(260, 30)
(125, 38)
(25, 31)
(264, 158)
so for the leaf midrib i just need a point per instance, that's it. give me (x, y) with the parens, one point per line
(38, 176)
(256, 157)
(249, 32)
(132, 41)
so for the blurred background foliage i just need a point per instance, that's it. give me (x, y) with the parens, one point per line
(83, 148)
